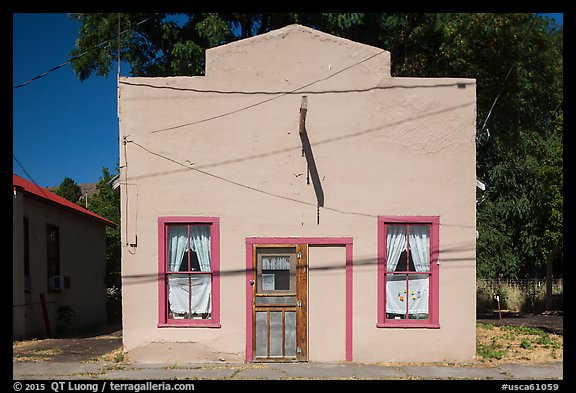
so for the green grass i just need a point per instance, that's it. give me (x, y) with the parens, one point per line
(490, 351)
(513, 342)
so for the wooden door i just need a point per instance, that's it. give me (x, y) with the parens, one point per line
(279, 303)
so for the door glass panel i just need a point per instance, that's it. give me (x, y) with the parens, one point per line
(276, 273)
(276, 270)
(267, 300)
(290, 333)
(276, 334)
(261, 334)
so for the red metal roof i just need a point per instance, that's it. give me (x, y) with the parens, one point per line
(45, 195)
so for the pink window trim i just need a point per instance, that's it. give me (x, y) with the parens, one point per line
(313, 241)
(433, 321)
(163, 320)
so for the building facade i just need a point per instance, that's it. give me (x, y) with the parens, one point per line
(58, 263)
(297, 203)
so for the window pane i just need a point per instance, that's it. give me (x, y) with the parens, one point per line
(276, 272)
(200, 243)
(177, 247)
(189, 296)
(418, 296)
(405, 263)
(201, 295)
(276, 263)
(52, 250)
(396, 296)
(178, 296)
(278, 280)
(395, 245)
(419, 241)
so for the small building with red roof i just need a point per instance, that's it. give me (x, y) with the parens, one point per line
(59, 263)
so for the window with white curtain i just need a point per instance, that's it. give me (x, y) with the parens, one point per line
(408, 271)
(189, 271)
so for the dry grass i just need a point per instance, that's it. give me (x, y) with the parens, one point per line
(37, 355)
(115, 356)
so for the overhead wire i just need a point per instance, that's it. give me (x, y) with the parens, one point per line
(83, 53)
(502, 85)
(245, 186)
(280, 95)
(29, 175)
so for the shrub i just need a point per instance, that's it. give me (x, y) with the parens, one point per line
(517, 295)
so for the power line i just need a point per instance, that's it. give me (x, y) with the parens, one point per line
(164, 157)
(83, 53)
(29, 176)
(280, 95)
(508, 74)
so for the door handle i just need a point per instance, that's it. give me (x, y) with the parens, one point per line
(299, 303)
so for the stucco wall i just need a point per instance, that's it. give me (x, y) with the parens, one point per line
(327, 303)
(82, 258)
(227, 145)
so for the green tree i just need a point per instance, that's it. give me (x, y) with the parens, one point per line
(69, 190)
(164, 44)
(516, 59)
(106, 203)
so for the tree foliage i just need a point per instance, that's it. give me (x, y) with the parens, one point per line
(516, 59)
(106, 203)
(69, 190)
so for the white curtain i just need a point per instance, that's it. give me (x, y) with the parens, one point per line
(416, 293)
(275, 263)
(179, 285)
(200, 243)
(397, 294)
(179, 294)
(177, 246)
(420, 247)
(201, 293)
(395, 244)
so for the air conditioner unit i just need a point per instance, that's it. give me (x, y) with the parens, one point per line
(55, 283)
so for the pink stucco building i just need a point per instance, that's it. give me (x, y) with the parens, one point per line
(297, 203)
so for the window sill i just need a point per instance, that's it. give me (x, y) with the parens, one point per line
(403, 324)
(213, 325)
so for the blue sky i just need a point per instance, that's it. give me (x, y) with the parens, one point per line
(62, 127)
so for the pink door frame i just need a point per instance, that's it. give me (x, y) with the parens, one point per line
(311, 241)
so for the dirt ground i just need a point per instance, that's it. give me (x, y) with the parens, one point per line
(105, 344)
(550, 322)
